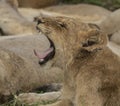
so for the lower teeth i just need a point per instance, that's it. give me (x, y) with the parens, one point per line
(41, 60)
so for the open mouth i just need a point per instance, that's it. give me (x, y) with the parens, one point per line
(46, 55)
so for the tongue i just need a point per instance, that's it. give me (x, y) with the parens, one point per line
(42, 55)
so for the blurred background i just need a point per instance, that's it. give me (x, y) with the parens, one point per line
(109, 4)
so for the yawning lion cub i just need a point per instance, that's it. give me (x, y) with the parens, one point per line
(92, 70)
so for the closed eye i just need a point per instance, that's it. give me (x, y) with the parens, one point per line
(62, 25)
(89, 43)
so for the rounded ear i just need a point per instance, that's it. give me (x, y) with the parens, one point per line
(96, 40)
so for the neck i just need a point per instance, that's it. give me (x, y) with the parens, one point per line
(83, 58)
(59, 60)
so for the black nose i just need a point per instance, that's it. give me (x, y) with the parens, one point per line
(38, 20)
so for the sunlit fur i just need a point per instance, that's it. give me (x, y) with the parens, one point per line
(92, 70)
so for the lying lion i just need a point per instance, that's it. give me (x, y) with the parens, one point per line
(92, 70)
(19, 68)
(11, 21)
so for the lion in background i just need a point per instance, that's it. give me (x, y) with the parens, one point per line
(92, 70)
(11, 21)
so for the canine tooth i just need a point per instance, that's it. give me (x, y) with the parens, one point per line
(41, 60)
(40, 32)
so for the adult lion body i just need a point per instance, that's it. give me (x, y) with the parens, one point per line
(92, 70)
(19, 68)
(11, 21)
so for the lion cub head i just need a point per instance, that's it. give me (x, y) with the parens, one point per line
(71, 35)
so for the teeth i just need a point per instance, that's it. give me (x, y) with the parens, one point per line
(41, 60)
(40, 32)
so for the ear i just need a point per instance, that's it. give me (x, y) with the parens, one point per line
(96, 40)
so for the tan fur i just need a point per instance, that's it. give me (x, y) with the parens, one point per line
(86, 12)
(111, 26)
(92, 70)
(14, 3)
(114, 47)
(11, 21)
(19, 68)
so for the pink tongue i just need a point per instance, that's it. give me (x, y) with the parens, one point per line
(44, 54)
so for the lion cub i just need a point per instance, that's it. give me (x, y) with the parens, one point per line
(92, 70)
